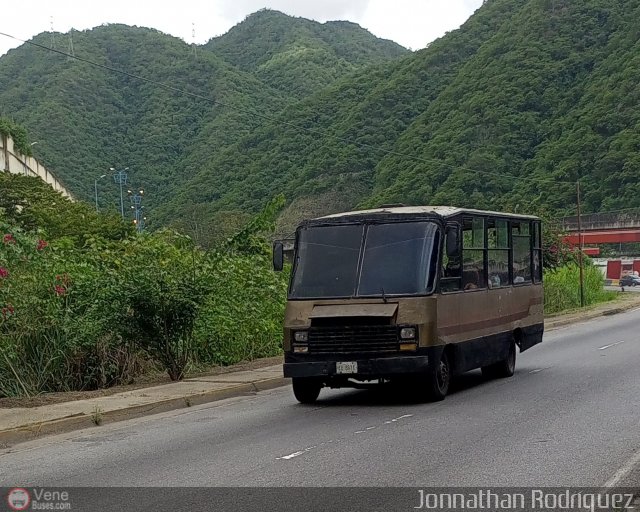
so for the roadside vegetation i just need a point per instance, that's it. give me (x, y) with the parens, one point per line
(93, 304)
(562, 275)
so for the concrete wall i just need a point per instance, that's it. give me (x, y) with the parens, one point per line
(13, 161)
(602, 221)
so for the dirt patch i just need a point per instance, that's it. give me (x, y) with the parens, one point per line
(145, 381)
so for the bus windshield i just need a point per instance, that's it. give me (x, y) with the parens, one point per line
(365, 260)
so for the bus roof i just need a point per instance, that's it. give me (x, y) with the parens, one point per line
(441, 211)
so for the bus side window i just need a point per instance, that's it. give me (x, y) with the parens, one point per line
(451, 280)
(498, 253)
(521, 240)
(473, 249)
(537, 252)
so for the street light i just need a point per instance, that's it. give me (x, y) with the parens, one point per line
(95, 185)
(136, 206)
(120, 177)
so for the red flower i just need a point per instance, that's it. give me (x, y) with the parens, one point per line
(7, 311)
(60, 290)
(4, 272)
(41, 245)
(8, 239)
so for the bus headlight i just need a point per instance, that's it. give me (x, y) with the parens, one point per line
(408, 333)
(301, 336)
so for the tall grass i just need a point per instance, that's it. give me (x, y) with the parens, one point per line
(562, 288)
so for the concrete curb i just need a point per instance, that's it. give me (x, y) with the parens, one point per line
(589, 315)
(80, 421)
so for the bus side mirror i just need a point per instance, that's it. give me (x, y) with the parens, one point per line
(278, 256)
(453, 242)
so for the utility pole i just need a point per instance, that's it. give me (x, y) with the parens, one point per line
(120, 177)
(95, 184)
(193, 39)
(53, 37)
(71, 52)
(580, 246)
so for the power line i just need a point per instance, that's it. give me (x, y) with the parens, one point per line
(289, 124)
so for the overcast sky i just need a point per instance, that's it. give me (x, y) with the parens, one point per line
(412, 23)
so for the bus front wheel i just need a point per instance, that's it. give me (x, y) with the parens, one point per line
(439, 379)
(306, 390)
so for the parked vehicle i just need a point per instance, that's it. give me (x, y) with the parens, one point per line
(630, 280)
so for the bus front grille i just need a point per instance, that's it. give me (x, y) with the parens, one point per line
(357, 338)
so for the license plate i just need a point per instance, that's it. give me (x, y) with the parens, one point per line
(347, 367)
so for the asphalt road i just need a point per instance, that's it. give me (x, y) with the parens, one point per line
(570, 416)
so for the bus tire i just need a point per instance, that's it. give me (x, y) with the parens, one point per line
(439, 379)
(502, 369)
(306, 390)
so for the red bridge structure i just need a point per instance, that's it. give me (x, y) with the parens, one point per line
(602, 228)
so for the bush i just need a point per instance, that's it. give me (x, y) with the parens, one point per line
(562, 288)
(58, 313)
(244, 310)
(164, 287)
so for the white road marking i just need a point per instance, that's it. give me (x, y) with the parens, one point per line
(297, 454)
(305, 450)
(624, 471)
(402, 417)
(291, 455)
(538, 370)
(611, 345)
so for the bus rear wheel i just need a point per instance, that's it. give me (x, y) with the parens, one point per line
(502, 369)
(306, 390)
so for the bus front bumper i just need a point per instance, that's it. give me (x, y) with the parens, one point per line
(368, 368)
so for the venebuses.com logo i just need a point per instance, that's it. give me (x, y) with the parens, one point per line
(38, 498)
(18, 499)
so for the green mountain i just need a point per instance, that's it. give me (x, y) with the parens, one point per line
(508, 112)
(171, 111)
(89, 118)
(323, 151)
(527, 97)
(300, 56)
(551, 98)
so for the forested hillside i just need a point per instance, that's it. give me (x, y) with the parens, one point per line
(527, 97)
(173, 110)
(551, 98)
(87, 119)
(507, 112)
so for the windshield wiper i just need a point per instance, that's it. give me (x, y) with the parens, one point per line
(384, 297)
